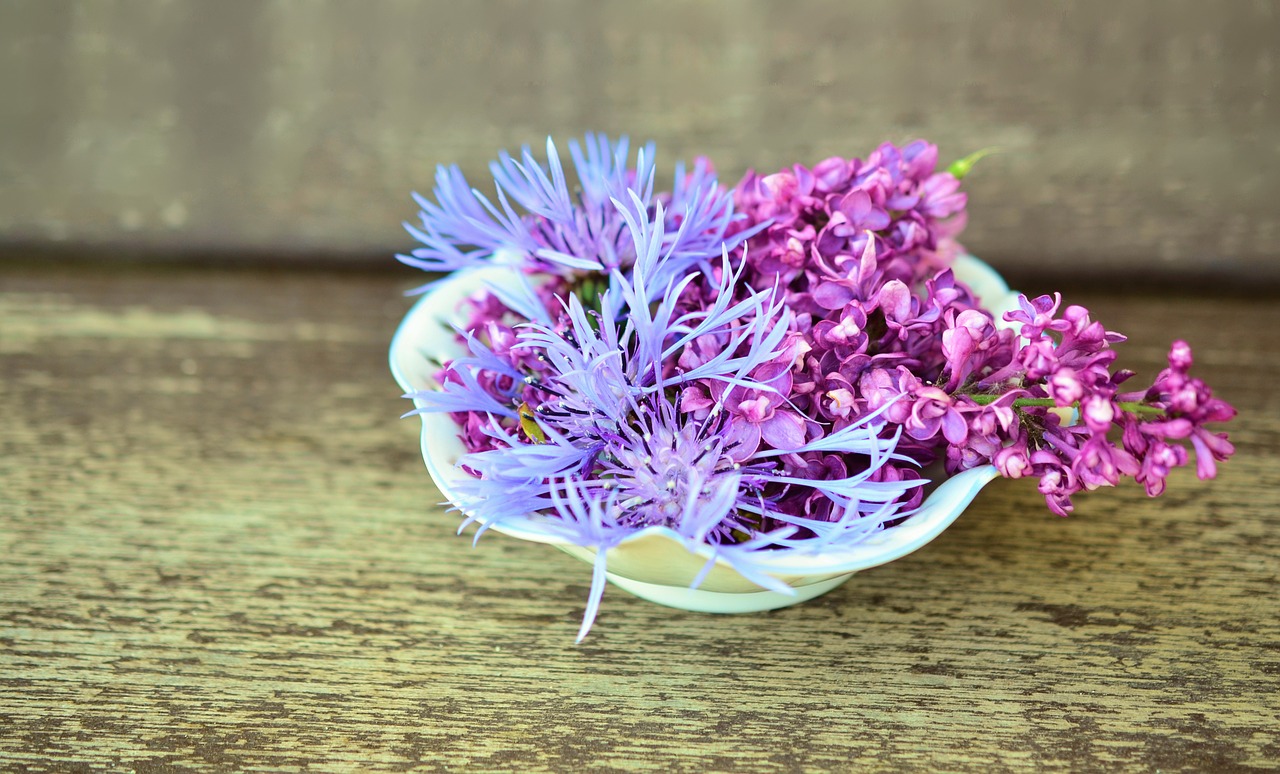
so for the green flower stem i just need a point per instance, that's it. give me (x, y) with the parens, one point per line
(1132, 406)
(589, 290)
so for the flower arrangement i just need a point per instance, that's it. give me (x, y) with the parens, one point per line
(777, 367)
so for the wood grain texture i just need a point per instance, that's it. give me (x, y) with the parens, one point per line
(1137, 135)
(219, 551)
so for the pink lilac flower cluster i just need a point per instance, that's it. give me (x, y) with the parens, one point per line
(858, 250)
(750, 367)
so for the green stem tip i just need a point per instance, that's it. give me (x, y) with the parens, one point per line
(961, 167)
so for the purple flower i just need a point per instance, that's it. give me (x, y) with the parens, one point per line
(966, 343)
(1099, 463)
(1013, 461)
(1098, 412)
(1065, 387)
(848, 331)
(538, 224)
(1037, 316)
(757, 414)
(1057, 481)
(1191, 401)
(933, 410)
(855, 213)
(883, 389)
(940, 197)
(893, 203)
(1159, 459)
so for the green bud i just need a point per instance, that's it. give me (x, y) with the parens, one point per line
(961, 167)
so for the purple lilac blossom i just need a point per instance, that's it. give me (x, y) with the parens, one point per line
(859, 249)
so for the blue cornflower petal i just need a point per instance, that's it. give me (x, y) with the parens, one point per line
(562, 231)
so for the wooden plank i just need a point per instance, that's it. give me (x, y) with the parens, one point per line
(1138, 135)
(219, 550)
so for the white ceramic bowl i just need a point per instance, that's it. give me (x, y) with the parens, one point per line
(658, 564)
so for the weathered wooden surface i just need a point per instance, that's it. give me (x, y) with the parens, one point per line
(1138, 134)
(219, 550)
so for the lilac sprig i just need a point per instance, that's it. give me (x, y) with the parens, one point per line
(1053, 408)
(859, 249)
(1065, 363)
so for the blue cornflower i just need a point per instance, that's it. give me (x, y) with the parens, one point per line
(615, 455)
(537, 223)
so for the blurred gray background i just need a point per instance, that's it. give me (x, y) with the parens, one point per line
(1139, 138)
